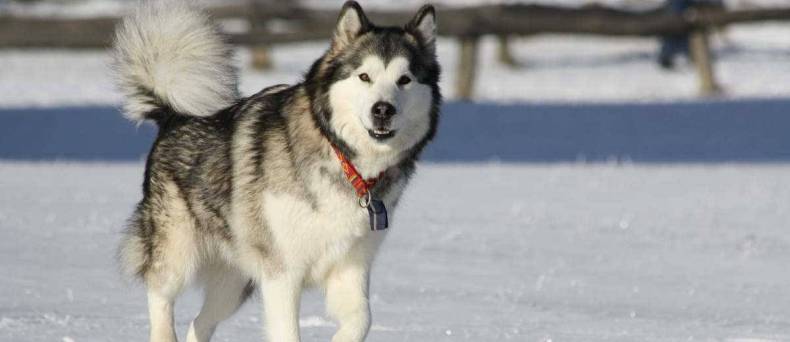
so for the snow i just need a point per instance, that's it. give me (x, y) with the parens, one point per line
(565, 69)
(752, 63)
(588, 196)
(478, 252)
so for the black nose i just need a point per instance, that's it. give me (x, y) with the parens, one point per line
(382, 110)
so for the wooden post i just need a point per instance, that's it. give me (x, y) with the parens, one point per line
(261, 59)
(467, 63)
(703, 60)
(505, 54)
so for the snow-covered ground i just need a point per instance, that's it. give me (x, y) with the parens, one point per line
(627, 250)
(753, 61)
(478, 252)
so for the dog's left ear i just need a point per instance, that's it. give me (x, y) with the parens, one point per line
(423, 25)
(350, 25)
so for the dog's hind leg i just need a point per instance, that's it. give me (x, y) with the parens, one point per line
(225, 291)
(163, 240)
(165, 281)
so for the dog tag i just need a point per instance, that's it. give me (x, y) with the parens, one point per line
(378, 215)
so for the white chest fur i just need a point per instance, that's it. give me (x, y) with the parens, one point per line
(315, 231)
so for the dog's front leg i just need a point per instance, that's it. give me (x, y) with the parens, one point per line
(347, 300)
(281, 296)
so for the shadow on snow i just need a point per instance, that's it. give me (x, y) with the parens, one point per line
(717, 131)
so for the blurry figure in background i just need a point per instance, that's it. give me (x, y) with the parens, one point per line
(674, 44)
(678, 44)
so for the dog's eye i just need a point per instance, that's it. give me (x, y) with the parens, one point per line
(364, 77)
(404, 80)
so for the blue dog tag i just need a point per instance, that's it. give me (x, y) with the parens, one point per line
(378, 215)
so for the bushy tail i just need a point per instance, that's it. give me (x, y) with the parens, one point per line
(170, 58)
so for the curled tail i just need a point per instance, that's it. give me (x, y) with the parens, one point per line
(170, 59)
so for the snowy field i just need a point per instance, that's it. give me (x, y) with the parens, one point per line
(478, 252)
(588, 196)
(753, 62)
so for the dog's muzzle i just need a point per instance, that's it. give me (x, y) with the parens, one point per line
(382, 113)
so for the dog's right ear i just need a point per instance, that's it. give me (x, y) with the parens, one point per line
(350, 25)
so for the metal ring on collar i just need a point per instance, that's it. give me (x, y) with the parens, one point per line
(364, 201)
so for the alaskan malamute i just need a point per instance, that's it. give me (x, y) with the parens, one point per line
(284, 189)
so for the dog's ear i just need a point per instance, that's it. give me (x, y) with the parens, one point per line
(423, 25)
(350, 25)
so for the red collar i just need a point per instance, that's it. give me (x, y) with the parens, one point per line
(361, 185)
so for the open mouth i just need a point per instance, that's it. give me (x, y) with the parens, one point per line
(381, 134)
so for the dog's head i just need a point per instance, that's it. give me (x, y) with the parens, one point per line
(376, 88)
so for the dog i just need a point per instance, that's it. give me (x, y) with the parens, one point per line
(283, 190)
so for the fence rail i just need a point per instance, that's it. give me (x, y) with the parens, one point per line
(467, 24)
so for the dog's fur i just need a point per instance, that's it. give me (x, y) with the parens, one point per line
(242, 193)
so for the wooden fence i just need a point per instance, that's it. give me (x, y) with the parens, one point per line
(467, 24)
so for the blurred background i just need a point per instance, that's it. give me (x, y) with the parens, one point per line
(605, 170)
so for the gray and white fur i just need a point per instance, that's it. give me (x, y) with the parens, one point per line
(246, 193)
